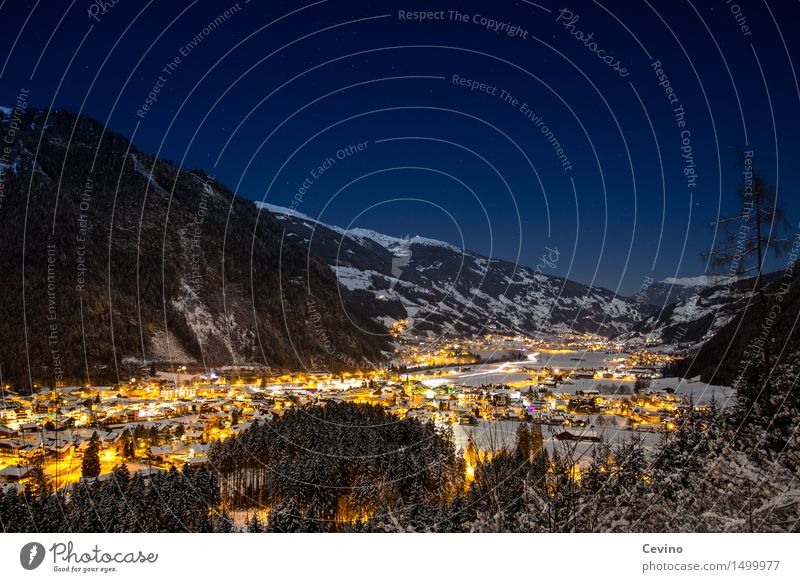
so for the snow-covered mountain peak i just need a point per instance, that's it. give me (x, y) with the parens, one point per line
(396, 245)
(391, 243)
(698, 281)
(433, 287)
(283, 211)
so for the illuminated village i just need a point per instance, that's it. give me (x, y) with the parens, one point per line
(155, 422)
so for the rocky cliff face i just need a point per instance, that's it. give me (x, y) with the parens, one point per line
(112, 257)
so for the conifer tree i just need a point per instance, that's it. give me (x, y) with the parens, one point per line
(90, 467)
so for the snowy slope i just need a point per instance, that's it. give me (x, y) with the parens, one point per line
(439, 288)
(706, 305)
(676, 289)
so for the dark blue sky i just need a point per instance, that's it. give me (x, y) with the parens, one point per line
(261, 98)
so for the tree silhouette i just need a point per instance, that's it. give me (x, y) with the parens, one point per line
(756, 230)
(91, 458)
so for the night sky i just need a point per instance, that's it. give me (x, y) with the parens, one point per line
(261, 95)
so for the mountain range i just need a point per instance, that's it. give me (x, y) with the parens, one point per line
(114, 259)
(432, 288)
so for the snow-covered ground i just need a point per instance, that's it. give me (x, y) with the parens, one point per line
(508, 372)
(698, 281)
(504, 373)
(575, 359)
(495, 435)
(700, 392)
(513, 372)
